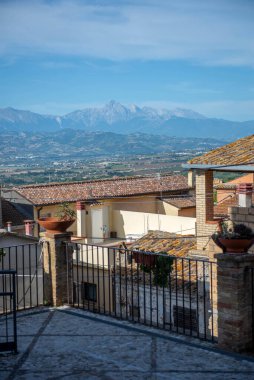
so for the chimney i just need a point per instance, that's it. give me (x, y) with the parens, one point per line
(81, 219)
(245, 194)
(9, 226)
(29, 227)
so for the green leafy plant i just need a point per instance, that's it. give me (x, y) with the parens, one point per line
(161, 270)
(234, 231)
(65, 212)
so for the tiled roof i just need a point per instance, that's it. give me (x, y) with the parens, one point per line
(99, 189)
(14, 235)
(11, 214)
(226, 186)
(239, 152)
(160, 241)
(181, 202)
(174, 245)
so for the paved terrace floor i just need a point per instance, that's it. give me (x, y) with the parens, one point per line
(65, 343)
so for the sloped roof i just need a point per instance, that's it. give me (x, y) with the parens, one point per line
(99, 189)
(181, 202)
(239, 152)
(184, 270)
(160, 241)
(16, 239)
(226, 186)
(11, 214)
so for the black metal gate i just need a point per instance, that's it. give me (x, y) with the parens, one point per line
(8, 323)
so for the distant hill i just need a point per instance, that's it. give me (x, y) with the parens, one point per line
(77, 143)
(116, 118)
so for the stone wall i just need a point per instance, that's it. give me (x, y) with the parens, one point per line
(243, 215)
(57, 258)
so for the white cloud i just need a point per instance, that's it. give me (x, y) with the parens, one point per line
(218, 32)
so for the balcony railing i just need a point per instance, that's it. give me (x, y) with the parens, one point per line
(167, 292)
(8, 323)
(26, 260)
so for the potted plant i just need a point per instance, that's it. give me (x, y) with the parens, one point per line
(161, 268)
(144, 258)
(63, 219)
(234, 238)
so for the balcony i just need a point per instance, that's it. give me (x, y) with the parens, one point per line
(137, 336)
(73, 344)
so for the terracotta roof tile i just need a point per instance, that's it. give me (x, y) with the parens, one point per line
(239, 152)
(226, 186)
(181, 202)
(160, 241)
(99, 189)
(184, 270)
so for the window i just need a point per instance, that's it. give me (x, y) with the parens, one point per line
(185, 318)
(89, 291)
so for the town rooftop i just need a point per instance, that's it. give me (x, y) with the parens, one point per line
(101, 189)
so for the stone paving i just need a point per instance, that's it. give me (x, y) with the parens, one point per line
(66, 343)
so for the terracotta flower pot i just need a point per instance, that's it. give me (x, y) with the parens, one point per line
(147, 259)
(235, 245)
(55, 225)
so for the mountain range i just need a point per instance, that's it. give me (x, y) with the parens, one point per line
(117, 118)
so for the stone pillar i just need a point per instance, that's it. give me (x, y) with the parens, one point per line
(81, 219)
(57, 260)
(235, 301)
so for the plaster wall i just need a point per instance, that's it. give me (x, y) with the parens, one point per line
(127, 222)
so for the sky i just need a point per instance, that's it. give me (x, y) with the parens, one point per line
(59, 56)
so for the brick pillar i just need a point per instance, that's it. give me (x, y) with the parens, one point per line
(57, 258)
(204, 207)
(81, 219)
(234, 301)
(204, 194)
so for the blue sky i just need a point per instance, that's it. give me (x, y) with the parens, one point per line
(59, 56)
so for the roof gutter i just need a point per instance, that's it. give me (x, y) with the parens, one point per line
(223, 168)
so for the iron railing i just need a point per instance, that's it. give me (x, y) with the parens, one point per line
(167, 292)
(26, 260)
(8, 323)
(251, 292)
